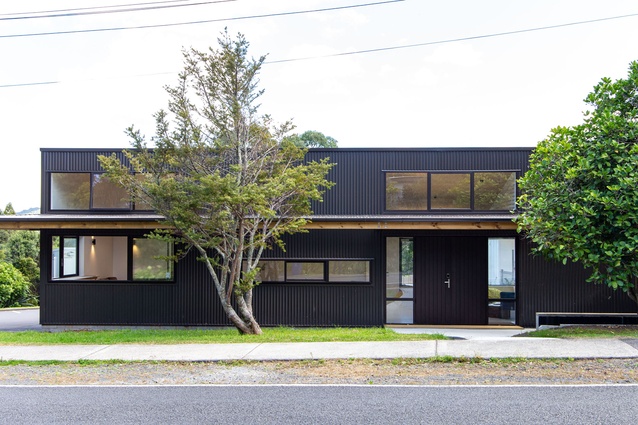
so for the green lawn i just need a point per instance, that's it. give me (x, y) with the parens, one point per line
(188, 336)
(616, 331)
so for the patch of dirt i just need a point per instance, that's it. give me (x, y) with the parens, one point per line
(380, 372)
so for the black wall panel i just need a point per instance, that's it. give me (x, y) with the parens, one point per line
(549, 286)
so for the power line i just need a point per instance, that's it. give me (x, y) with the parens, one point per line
(405, 46)
(92, 8)
(129, 9)
(453, 40)
(327, 9)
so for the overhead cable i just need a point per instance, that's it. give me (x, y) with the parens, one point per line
(206, 21)
(127, 9)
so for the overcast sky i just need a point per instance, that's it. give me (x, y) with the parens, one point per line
(502, 90)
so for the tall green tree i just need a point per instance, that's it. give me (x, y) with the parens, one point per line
(312, 139)
(579, 199)
(221, 175)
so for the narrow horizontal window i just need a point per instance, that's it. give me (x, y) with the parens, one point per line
(305, 271)
(270, 270)
(349, 271)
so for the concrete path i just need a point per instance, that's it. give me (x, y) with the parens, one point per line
(487, 348)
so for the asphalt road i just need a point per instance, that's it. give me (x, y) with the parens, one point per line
(20, 319)
(320, 405)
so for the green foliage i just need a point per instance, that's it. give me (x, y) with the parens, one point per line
(312, 139)
(579, 200)
(14, 288)
(225, 179)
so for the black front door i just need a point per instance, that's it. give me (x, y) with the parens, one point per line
(450, 280)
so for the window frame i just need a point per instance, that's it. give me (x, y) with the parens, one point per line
(78, 279)
(430, 209)
(92, 174)
(326, 272)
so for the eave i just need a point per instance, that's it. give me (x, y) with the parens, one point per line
(371, 222)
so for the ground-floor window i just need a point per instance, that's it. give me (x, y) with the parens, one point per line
(111, 258)
(314, 271)
(399, 280)
(501, 280)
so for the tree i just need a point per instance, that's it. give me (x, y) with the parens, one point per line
(14, 288)
(223, 177)
(312, 139)
(22, 250)
(579, 199)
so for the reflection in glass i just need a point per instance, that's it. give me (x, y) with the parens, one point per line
(406, 191)
(107, 194)
(450, 191)
(69, 256)
(70, 191)
(296, 270)
(501, 281)
(148, 263)
(349, 271)
(399, 280)
(271, 271)
(495, 191)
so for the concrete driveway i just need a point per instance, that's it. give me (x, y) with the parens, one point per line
(20, 319)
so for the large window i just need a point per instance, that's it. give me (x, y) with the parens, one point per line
(88, 191)
(110, 258)
(450, 191)
(108, 195)
(406, 191)
(314, 271)
(70, 191)
(150, 259)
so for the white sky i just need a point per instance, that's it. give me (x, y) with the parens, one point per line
(500, 91)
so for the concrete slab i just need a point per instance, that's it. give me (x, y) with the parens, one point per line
(343, 350)
(48, 352)
(464, 333)
(174, 352)
(538, 348)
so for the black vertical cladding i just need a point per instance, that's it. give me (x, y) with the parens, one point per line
(325, 304)
(548, 286)
(192, 300)
(359, 176)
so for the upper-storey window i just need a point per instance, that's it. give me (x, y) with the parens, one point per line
(450, 191)
(406, 191)
(88, 191)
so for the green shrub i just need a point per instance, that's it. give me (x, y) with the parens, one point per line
(14, 287)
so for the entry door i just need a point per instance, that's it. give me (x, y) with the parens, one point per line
(450, 280)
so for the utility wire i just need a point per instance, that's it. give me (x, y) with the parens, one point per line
(92, 8)
(453, 40)
(202, 21)
(129, 9)
(405, 46)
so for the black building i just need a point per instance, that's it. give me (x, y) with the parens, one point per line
(410, 236)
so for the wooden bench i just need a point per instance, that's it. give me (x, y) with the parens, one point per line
(570, 318)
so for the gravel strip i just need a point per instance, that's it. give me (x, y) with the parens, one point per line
(379, 372)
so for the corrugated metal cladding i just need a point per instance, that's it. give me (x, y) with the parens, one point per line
(79, 160)
(192, 300)
(360, 178)
(549, 286)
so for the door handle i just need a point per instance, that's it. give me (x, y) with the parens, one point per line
(447, 280)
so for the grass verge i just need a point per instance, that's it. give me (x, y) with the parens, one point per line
(214, 336)
(597, 331)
